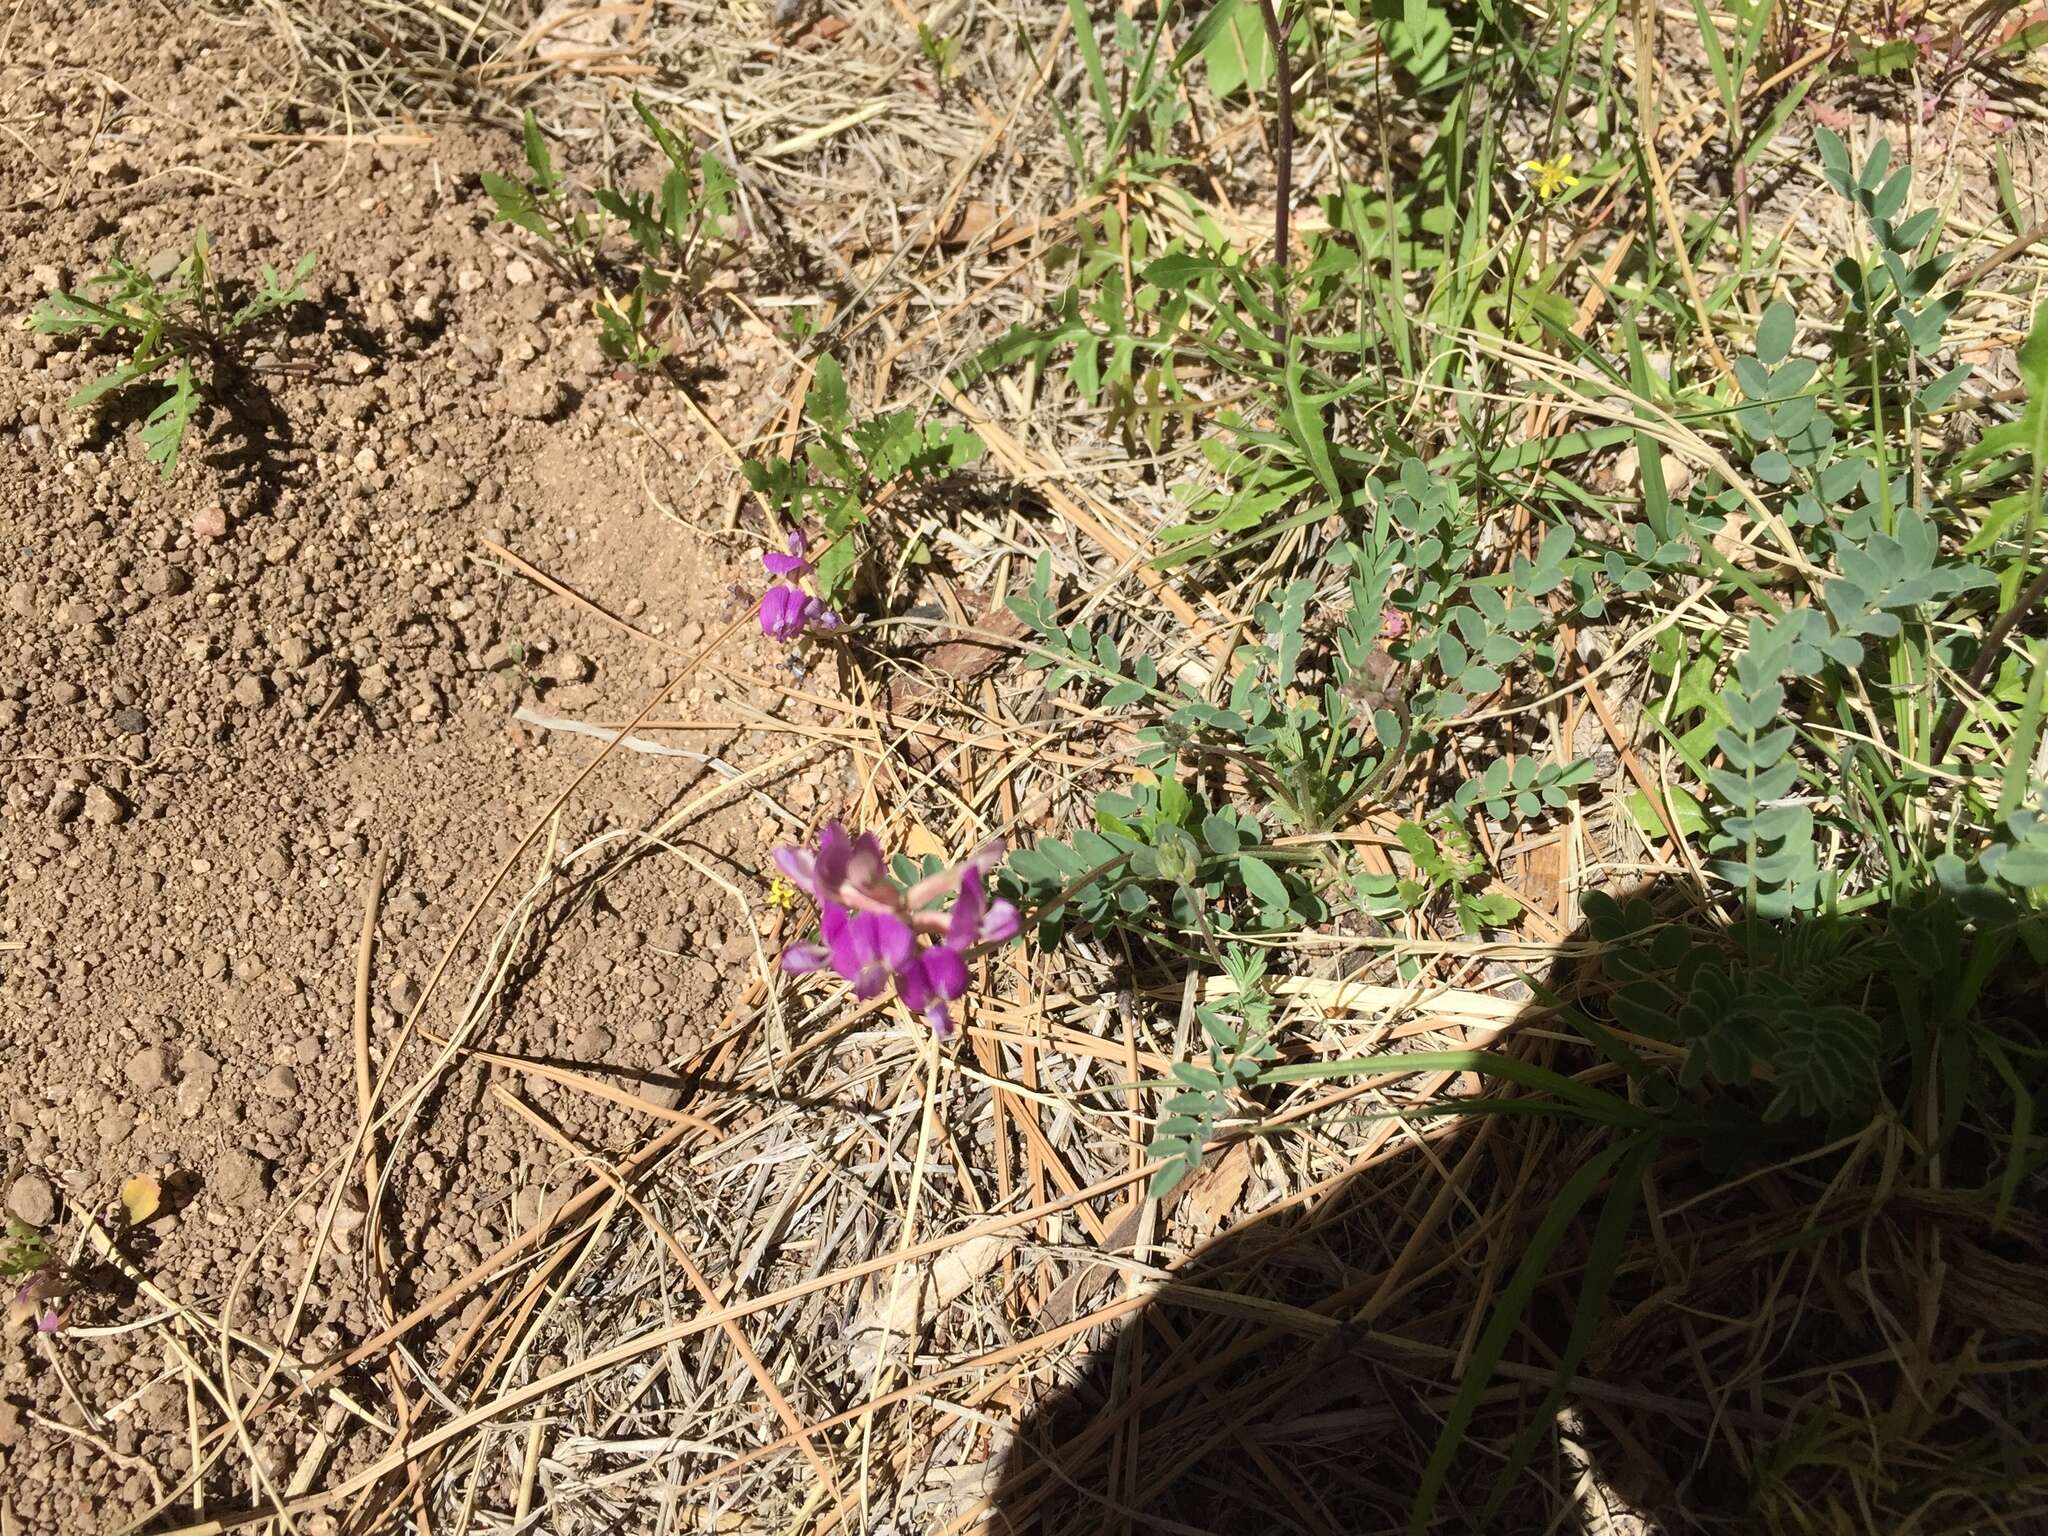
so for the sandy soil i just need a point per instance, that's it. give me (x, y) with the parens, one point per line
(223, 698)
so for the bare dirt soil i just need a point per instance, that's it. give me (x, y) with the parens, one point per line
(225, 698)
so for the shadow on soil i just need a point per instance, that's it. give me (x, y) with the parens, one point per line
(1813, 1321)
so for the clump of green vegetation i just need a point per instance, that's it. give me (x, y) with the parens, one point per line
(1828, 555)
(851, 469)
(677, 236)
(185, 330)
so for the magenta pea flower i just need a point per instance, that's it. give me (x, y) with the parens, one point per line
(38, 1300)
(788, 612)
(874, 932)
(793, 563)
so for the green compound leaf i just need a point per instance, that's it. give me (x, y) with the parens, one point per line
(163, 433)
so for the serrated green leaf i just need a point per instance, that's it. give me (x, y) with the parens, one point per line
(127, 373)
(826, 403)
(163, 431)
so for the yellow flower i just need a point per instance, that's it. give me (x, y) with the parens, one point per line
(1553, 178)
(781, 893)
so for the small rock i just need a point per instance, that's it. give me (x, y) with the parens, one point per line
(518, 273)
(131, 722)
(239, 1177)
(280, 550)
(403, 995)
(251, 691)
(210, 522)
(112, 166)
(295, 651)
(21, 600)
(65, 806)
(148, 1068)
(503, 655)
(194, 1095)
(166, 580)
(593, 1044)
(78, 615)
(568, 667)
(468, 280)
(535, 397)
(660, 1095)
(104, 808)
(281, 1082)
(67, 693)
(32, 1198)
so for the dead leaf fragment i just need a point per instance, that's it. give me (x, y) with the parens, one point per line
(141, 1198)
(903, 1303)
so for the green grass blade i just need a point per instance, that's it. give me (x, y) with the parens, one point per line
(2022, 1128)
(1595, 1104)
(1603, 1257)
(1507, 1316)
(1091, 60)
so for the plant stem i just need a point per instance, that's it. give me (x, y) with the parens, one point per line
(1985, 659)
(1283, 154)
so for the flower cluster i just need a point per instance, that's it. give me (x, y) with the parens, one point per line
(787, 610)
(872, 930)
(40, 1299)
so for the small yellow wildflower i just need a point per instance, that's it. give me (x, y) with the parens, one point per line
(1553, 178)
(781, 893)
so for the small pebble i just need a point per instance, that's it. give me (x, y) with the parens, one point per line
(104, 808)
(147, 1069)
(32, 1198)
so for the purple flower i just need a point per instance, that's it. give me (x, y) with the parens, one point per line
(871, 929)
(977, 920)
(868, 947)
(38, 1300)
(793, 563)
(935, 978)
(787, 613)
(845, 871)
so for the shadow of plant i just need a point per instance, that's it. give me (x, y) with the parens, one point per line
(1743, 1235)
